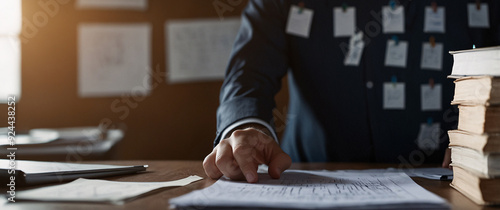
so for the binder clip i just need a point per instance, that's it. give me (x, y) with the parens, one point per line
(431, 83)
(434, 6)
(478, 4)
(392, 3)
(301, 7)
(394, 80)
(430, 121)
(432, 41)
(344, 7)
(396, 39)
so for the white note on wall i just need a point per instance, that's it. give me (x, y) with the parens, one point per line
(299, 21)
(344, 21)
(396, 53)
(298, 189)
(199, 49)
(112, 4)
(478, 18)
(356, 46)
(430, 97)
(394, 95)
(10, 68)
(393, 20)
(434, 20)
(114, 59)
(428, 136)
(432, 57)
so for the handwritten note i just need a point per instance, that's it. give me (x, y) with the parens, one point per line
(478, 18)
(431, 97)
(199, 50)
(299, 21)
(344, 21)
(91, 190)
(396, 53)
(432, 56)
(114, 59)
(356, 45)
(393, 20)
(312, 190)
(434, 20)
(428, 136)
(394, 95)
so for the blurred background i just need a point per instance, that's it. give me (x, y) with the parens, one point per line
(175, 119)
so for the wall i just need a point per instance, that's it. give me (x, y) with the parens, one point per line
(174, 122)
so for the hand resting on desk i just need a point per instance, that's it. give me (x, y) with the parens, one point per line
(239, 156)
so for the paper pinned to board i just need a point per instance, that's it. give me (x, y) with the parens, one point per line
(91, 190)
(313, 190)
(114, 59)
(112, 4)
(199, 49)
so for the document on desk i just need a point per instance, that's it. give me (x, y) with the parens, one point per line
(315, 190)
(93, 190)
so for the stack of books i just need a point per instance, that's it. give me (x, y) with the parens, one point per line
(475, 145)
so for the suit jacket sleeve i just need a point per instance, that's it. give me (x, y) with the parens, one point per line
(257, 65)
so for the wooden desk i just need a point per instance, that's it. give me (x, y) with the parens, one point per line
(170, 170)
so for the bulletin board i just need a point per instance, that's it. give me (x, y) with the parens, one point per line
(177, 121)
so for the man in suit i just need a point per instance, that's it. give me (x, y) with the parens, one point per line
(335, 112)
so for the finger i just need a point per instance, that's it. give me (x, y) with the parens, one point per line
(279, 163)
(209, 166)
(226, 162)
(244, 153)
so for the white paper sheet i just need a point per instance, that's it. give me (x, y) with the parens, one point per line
(430, 97)
(356, 46)
(114, 59)
(90, 190)
(344, 21)
(312, 190)
(112, 4)
(299, 23)
(396, 54)
(434, 21)
(393, 20)
(10, 68)
(432, 57)
(394, 95)
(428, 136)
(478, 18)
(199, 49)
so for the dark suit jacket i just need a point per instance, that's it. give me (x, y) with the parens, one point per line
(332, 114)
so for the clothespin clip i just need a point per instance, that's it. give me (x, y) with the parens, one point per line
(396, 39)
(432, 41)
(344, 7)
(392, 3)
(431, 83)
(434, 6)
(394, 80)
(430, 121)
(301, 7)
(478, 4)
